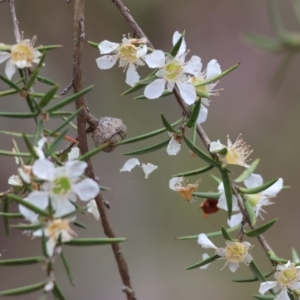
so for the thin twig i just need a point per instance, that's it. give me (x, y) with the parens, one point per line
(203, 136)
(81, 124)
(67, 88)
(14, 20)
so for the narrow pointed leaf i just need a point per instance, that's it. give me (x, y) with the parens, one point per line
(65, 123)
(167, 125)
(10, 83)
(93, 152)
(193, 172)
(48, 96)
(27, 226)
(32, 79)
(274, 257)
(217, 77)
(263, 42)
(28, 205)
(248, 172)
(44, 244)
(226, 235)
(264, 297)
(70, 99)
(47, 48)
(42, 95)
(18, 154)
(94, 241)
(93, 44)
(215, 196)
(275, 18)
(203, 262)
(74, 212)
(250, 211)
(104, 188)
(200, 153)
(11, 215)
(60, 114)
(5, 219)
(67, 268)
(258, 189)
(57, 291)
(217, 179)
(295, 256)
(24, 290)
(261, 229)
(16, 134)
(29, 146)
(228, 191)
(194, 115)
(39, 132)
(18, 115)
(149, 149)
(176, 47)
(194, 133)
(200, 93)
(56, 143)
(45, 80)
(210, 234)
(81, 225)
(134, 89)
(8, 92)
(22, 261)
(164, 94)
(147, 135)
(256, 271)
(253, 279)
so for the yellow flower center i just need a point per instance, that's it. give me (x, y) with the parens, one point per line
(61, 186)
(201, 88)
(22, 52)
(56, 227)
(173, 70)
(236, 252)
(128, 53)
(253, 199)
(289, 276)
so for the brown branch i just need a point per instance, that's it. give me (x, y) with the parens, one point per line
(81, 124)
(67, 88)
(186, 110)
(12, 8)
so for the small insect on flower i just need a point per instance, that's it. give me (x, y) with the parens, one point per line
(178, 184)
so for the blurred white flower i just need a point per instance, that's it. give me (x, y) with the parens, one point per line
(93, 209)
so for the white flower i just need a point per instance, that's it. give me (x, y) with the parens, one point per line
(73, 154)
(216, 147)
(234, 252)
(57, 230)
(21, 55)
(15, 180)
(172, 72)
(133, 162)
(174, 145)
(179, 185)
(130, 56)
(93, 209)
(61, 185)
(256, 200)
(287, 278)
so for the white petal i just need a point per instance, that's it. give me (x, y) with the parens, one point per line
(92, 208)
(28, 214)
(170, 86)
(21, 64)
(173, 147)
(75, 168)
(187, 92)
(283, 295)
(10, 69)
(216, 147)
(43, 169)
(15, 180)
(253, 180)
(193, 66)
(223, 204)
(148, 168)
(232, 266)
(107, 47)
(247, 259)
(74, 153)
(39, 152)
(235, 220)
(266, 286)
(132, 76)
(155, 89)
(130, 164)
(86, 189)
(274, 189)
(25, 176)
(204, 256)
(176, 37)
(142, 51)
(205, 242)
(175, 182)
(50, 245)
(106, 61)
(4, 56)
(202, 115)
(213, 69)
(156, 59)
(62, 207)
(221, 187)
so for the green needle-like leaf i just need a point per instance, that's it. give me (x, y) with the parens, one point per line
(32, 79)
(200, 153)
(226, 235)
(74, 212)
(22, 261)
(27, 226)
(147, 135)
(17, 154)
(94, 241)
(48, 96)
(256, 271)
(45, 80)
(70, 99)
(200, 93)
(217, 179)
(10, 83)
(258, 189)
(194, 115)
(11, 215)
(29, 146)
(148, 149)
(81, 225)
(28, 205)
(261, 229)
(215, 196)
(24, 290)
(67, 268)
(274, 257)
(93, 44)
(47, 48)
(58, 293)
(250, 211)
(228, 191)
(176, 47)
(264, 297)
(56, 143)
(18, 115)
(263, 42)
(248, 172)
(5, 219)
(167, 125)
(253, 279)
(193, 172)
(93, 152)
(8, 92)
(16, 134)
(203, 262)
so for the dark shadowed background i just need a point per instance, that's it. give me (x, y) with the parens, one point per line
(146, 211)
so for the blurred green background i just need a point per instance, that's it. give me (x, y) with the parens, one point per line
(146, 211)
